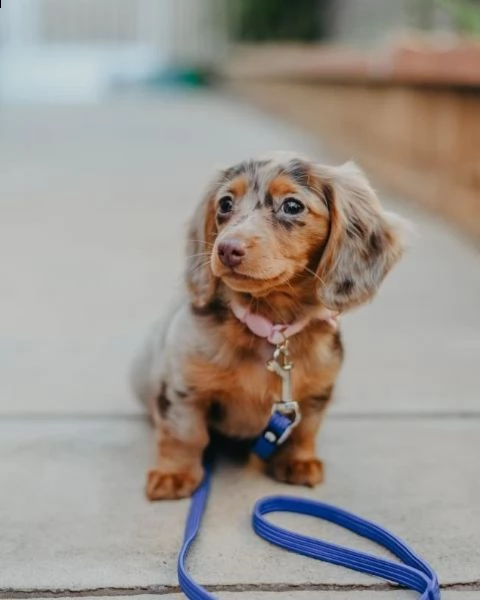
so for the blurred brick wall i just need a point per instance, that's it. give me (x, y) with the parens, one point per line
(419, 136)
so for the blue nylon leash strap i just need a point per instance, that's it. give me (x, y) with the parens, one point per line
(412, 572)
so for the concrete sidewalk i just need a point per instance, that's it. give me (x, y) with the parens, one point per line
(93, 204)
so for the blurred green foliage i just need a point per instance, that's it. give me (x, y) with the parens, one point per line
(278, 20)
(465, 15)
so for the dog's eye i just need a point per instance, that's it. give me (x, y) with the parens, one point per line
(225, 205)
(291, 206)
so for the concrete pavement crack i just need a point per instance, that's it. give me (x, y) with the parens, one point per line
(162, 590)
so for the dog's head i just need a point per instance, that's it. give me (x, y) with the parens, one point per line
(269, 224)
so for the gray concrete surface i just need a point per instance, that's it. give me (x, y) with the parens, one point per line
(77, 518)
(93, 203)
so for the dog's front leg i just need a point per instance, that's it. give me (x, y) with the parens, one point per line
(182, 436)
(296, 462)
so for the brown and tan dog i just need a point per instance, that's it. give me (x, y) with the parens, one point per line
(294, 242)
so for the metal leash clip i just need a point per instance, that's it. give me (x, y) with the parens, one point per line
(287, 406)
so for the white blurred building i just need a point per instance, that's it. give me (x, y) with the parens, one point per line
(76, 50)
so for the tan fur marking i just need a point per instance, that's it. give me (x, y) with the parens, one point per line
(282, 186)
(238, 187)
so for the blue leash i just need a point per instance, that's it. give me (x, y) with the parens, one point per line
(412, 572)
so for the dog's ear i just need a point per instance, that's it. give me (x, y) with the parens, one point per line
(364, 242)
(201, 236)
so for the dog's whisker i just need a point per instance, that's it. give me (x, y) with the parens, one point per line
(202, 242)
(199, 254)
(315, 275)
(199, 266)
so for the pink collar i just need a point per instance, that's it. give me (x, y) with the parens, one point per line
(277, 333)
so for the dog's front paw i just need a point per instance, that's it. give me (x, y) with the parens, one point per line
(162, 485)
(298, 472)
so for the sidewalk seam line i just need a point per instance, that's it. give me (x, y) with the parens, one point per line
(17, 593)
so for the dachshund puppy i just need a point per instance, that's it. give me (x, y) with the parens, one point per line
(277, 248)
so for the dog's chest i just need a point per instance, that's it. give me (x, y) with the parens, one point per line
(243, 406)
(237, 392)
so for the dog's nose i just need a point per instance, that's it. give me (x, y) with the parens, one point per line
(231, 252)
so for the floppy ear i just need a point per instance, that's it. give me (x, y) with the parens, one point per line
(364, 241)
(201, 236)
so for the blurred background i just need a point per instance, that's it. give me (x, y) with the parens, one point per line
(395, 79)
(56, 50)
(113, 114)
